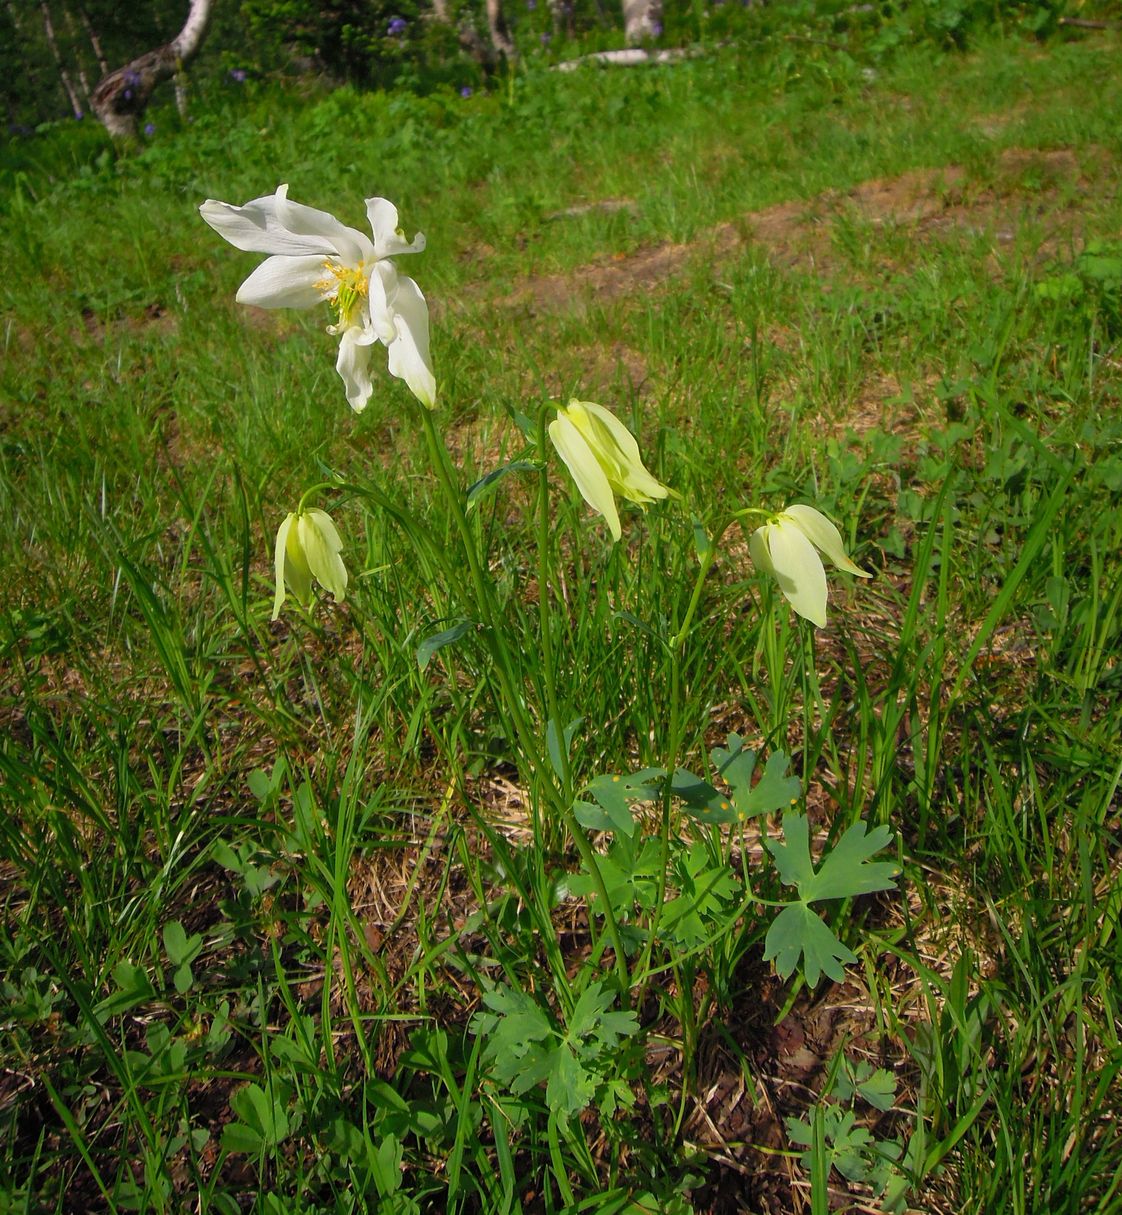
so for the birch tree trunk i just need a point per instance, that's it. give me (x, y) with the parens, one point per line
(64, 75)
(95, 42)
(72, 31)
(642, 19)
(122, 97)
(500, 32)
(501, 42)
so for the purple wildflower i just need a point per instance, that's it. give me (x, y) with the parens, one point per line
(149, 128)
(397, 27)
(465, 91)
(238, 75)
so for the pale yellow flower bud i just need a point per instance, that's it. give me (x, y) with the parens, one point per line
(788, 545)
(604, 460)
(308, 546)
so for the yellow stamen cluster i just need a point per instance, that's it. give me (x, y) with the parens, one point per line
(344, 290)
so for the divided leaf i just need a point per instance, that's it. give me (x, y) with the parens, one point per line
(736, 765)
(846, 870)
(614, 795)
(798, 930)
(593, 1028)
(878, 1088)
(775, 790)
(519, 1024)
(847, 1144)
(526, 1048)
(707, 891)
(702, 801)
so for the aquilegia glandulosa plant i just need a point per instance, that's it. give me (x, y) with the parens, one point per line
(313, 258)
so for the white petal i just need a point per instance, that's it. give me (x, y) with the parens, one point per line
(295, 573)
(622, 461)
(321, 544)
(798, 570)
(585, 470)
(389, 239)
(409, 358)
(624, 439)
(824, 536)
(757, 548)
(256, 228)
(325, 525)
(285, 282)
(351, 245)
(353, 364)
(278, 562)
(381, 292)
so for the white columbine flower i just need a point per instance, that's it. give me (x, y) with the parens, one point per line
(788, 546)
(603, 457)
(314, 258)
(308, 546)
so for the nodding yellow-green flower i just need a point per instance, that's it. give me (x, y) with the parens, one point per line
(788, 546)
(316, 259)
(603, 458)
(308, 546)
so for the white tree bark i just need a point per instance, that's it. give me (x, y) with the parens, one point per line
(190, 37)
(64, 75)
(72, 31)
(95, 42)
(501, 42)
(633, 56)
(642, 19)
(500, 33)
(122, 97)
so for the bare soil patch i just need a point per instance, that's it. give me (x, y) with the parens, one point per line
(799, 233)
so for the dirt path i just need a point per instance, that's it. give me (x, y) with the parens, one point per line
(800, 233)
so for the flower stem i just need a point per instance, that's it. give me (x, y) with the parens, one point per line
(676, 732)
(544, 599)
(509, 685)
(302, 505)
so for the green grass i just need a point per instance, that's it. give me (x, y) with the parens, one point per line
(344, 838)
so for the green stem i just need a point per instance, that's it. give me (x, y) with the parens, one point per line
(544, 599)
(509, 687)
(698, 587)
(301, 506)
(676, 732)
(509, 681)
